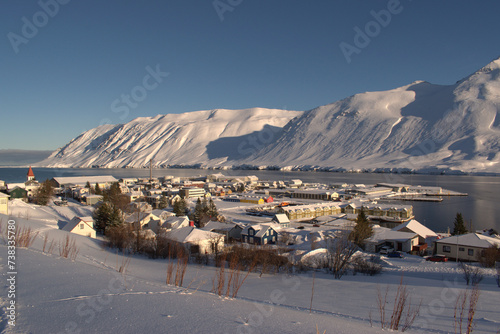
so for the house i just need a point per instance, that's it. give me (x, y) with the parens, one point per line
(145, 220)
(197, 241)
(18, 192)
(470, 246)
(163, 214)
(259, 235)
(231, 231)
(192, 192)
(81, 225)
(4, 204)
(93, 199)
(382, 236)
(282, 219)
(104, 181)
(426, 236)
(173, 222)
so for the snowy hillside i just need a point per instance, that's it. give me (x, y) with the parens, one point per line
(189, 138)
(421, 126)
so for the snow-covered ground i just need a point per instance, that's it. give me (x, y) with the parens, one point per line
(89, 295)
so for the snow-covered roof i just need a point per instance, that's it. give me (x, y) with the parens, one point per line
(139, 216)
(79, 180)
(416, 227)
(192, 234)
(216, 225)
(77, 220)
(383, 233)
(4, 195)
(281, 218)
(472, 240)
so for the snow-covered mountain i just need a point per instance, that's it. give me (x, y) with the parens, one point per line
(201, 137)
(421, 126)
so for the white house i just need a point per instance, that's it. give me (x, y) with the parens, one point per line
(174, 222)
(197, 241)
(81, 225)
(470, 246)
(4, 203)
(382, 236)
(426, 236)
(145, 219)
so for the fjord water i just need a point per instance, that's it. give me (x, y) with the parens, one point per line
(481, 207)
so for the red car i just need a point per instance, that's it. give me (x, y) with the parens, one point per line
(437, 258)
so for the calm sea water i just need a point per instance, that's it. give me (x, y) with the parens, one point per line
(481, 208)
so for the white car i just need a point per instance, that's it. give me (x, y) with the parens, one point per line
(386, 250)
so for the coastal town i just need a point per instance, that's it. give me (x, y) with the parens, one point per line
(302, 217)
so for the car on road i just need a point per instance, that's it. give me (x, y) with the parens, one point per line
(386, 250)
(437, 258)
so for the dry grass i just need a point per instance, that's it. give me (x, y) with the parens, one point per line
(470, 297)
(68, 248)
(403, 313)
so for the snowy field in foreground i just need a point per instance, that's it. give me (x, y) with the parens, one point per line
(88, 295)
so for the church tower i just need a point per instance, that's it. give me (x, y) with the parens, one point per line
(30, 176)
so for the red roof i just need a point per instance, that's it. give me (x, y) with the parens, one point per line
(30, 172)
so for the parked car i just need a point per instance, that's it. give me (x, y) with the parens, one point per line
(437, 258)
(386, 250)
(395, 254)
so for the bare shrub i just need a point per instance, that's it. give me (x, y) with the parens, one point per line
(25, 237)
(68, 248)
(45, 240)
(403, 313)
(340, 251)
(489, 256)
(122, 267)
(370, 267)
(465, 309)
(471, 274)
(120, 236)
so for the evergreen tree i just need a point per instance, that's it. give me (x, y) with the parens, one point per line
(105, 216)
(459, 225)
(362, 230)
(212, 209)
(113, 194)
(180, 207)
(198, 212)
(98, 190)
(43, 193)
(163, 202)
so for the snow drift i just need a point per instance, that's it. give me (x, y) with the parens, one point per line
(419, 127)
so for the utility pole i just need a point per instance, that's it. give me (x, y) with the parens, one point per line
(151, 173)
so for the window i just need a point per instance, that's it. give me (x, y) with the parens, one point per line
(461, 249)
(470, 252)
(82, 226)
(250, 232)
(446, 249)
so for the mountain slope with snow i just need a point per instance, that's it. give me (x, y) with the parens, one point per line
(420, 127)
(189, 138)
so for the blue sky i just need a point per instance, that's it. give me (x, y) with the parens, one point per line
(76, 70)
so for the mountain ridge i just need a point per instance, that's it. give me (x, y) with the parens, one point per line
(418, 127)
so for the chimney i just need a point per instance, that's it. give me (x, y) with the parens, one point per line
(191, 223)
